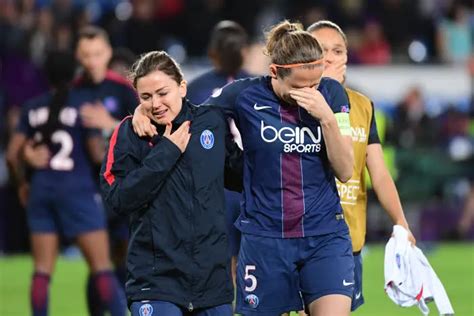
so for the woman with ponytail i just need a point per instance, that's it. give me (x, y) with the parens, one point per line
(296, 139)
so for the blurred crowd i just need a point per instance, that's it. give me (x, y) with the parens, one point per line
(379, 31)
(431, 156)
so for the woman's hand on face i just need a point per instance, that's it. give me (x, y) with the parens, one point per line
(336, 71)
(312, 101)
(142, 124)
(180, 137)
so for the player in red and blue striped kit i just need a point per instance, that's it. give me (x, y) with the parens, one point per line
(107, 98)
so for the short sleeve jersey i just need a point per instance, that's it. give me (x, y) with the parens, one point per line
(69, 163)
(115, 93)
(289, 186)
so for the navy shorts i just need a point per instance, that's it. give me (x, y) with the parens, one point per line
(232, 204)
(358, 297)
(277, 275)
(66, 212)
(150, 308)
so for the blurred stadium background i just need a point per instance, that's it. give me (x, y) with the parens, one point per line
(414, 58)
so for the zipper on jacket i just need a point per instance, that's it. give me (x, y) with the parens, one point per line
(190, 179)
(152, 242)
(190, 307)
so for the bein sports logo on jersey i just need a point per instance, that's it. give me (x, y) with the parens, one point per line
(146, 310)
(252, 300)
(207, 139)
(292, 138)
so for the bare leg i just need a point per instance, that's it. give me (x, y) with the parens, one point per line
(45, 250)
(331, 305)
(95, 247)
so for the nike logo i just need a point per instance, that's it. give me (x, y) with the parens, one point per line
(261, 107)
(347, 283)
(357, 296)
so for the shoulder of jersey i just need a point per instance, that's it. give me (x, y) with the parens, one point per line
(118, 79)
(237, 86)
(38, 101)
(326, 81)
(205, 76)
(201, 109)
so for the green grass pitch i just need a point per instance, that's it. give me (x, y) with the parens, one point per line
(454, 264)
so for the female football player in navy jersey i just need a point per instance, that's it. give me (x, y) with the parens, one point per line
(227, 50)
(296, 138)
(63, 198)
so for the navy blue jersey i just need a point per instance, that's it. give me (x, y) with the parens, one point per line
(115, 93)
(200, 88)
(69, 164)
(289, 186)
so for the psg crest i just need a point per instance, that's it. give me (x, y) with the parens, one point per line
(252, 300)
(207, 139)
(146, 310)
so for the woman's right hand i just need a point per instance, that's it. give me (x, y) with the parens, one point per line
(142, 124)
(336, 71)
(180, 137)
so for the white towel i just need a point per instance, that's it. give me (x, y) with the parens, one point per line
(409, 278)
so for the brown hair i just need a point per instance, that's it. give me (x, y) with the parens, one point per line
(91, 32)
(228, 38)
(155, 60)
(327, 24)
(288, 43)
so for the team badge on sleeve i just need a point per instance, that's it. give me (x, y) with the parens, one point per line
(207, 139)
(343, 121)
(146, 310)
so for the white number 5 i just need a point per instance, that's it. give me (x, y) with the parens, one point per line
(252, 278)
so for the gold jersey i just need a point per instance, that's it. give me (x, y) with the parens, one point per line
(353, 193)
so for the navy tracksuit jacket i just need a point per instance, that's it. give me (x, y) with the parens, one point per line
(178, 244)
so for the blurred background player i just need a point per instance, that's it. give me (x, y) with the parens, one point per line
(227, 51)
(108, 98)
(367, 153)
(122, 61)
(62, 198)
